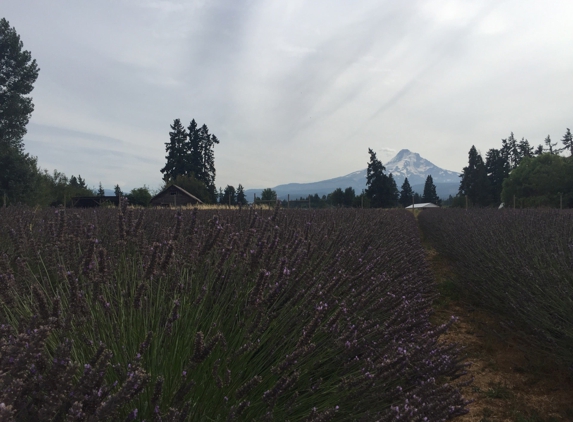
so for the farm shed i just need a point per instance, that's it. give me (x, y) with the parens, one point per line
(174, 196)
(93, 201)
(425, 205)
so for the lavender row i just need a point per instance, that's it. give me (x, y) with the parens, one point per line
(125, 314)
(516, 263)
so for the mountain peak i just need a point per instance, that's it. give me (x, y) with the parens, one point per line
(405, 164)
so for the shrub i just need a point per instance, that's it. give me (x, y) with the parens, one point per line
(220, 315)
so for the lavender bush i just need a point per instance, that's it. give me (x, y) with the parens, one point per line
(516, 263)
(157, 315)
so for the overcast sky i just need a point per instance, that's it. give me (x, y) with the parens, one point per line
(296, 91)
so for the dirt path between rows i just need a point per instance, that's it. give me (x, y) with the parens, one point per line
(507, 386)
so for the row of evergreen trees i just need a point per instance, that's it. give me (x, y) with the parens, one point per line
(190, 153)
(382, 191)
(483, 181)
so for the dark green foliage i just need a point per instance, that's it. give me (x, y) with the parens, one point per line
(342, 198)
(475, 183)
(268, 195)
(241, 199)
(190, 153)
(117, 190)
(139, 196)
(517, 265)
(19, 176)
(78, 182)
(497, 168)
(100, 191)
(513, 152)
(406, 194)
(381, 189)
(220, 315)
(178, 154)
(567, 141)
(18, 72)
(229, 196)
(430, 194)
(550, 145)
(56, 189)
(540, 182)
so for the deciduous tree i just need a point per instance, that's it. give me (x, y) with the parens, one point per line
(541, 181)
(268, 194)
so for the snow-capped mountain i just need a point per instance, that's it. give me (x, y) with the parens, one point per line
(416, 169)
(404, 164)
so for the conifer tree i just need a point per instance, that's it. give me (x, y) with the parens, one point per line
(18, 72)
(475, 183)
(567, 141)
(381, 189)
(430, 194)
(229, 196)
(19, 174)
(406, 194)
(550, 145)
(497, 169)
(177, 153)
(241, 199)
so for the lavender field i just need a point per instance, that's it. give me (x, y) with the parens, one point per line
(517, 265)
(220, 315)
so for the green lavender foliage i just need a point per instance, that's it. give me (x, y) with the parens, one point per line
(220, 316)
(516, 263)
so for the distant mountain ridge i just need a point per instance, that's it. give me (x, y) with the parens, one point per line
(405, 164)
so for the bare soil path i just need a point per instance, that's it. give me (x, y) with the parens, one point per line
(507, 386)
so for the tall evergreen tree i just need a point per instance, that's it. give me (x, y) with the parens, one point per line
(525, 149)
(510, 151)
(100, 191)
(202, 155)
(475, 183)
(195, 151)
(406, 193)
(497, 169)
(209, 142)
(20, 177)
(18, 72)
(177, 153)
(117, 191)
(430, 194)
(241, 198)
(381, 189)
(567, 141)
(550, 145)
(229, 196)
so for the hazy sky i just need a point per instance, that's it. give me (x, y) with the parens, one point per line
(296, 91)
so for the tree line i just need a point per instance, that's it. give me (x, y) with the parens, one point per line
(21, 178)
(518, 172)
(381, 192)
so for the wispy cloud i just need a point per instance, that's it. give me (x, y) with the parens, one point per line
(296, 91)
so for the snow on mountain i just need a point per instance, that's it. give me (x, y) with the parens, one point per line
(416, 169)
(404, 164)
